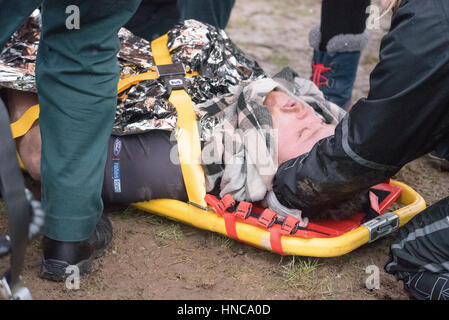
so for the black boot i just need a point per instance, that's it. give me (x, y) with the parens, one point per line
(58, 255)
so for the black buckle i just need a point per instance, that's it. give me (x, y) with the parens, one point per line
(172, 75)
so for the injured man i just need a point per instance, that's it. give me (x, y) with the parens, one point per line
(249, 122)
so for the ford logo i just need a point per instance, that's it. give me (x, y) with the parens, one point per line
(175, 82)
(117, 146)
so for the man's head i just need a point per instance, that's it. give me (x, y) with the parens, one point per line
(298, 126)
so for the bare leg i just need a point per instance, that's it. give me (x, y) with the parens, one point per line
(29, 145)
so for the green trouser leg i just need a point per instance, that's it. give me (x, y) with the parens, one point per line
(214, 12)
(12, 14)
(77, 74)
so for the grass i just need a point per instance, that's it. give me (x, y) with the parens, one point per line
(131, 212)
(236, 271)
(165, 229)
(278, 60)
(3, 218)
(223, 241)
(301, 273)
(171, 232)
(241, 24)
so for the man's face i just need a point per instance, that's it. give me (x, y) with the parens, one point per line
(299, 128)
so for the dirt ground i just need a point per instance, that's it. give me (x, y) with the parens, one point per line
(154, 258)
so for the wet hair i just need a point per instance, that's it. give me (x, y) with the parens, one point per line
(358, 203)
(332, 209)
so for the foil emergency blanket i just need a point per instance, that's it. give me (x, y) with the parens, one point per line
(144, 106)
(17, 60)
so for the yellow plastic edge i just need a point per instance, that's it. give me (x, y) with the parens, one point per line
(187, 133)
(125, 83)
(189, 147)
(21, 126)
(315, 247)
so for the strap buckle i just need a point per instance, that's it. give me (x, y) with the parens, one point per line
(220, 206)
(290, 225)
(382, 225)
(244, 209)
(267, 218)
(172, 75)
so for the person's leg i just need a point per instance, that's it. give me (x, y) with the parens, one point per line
(76, 75)
(28, 146)
(420, 253)
(440, 156)
(153, 18)
(156, 17)
(214, 12)
(427, 285)
(337, 45)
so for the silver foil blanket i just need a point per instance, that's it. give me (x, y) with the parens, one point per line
(17, 60)
(144, 106)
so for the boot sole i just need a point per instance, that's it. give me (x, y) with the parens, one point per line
(55, 270)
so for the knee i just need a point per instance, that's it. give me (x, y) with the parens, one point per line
(34, 166)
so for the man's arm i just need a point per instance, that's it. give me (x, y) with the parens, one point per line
(405, 115)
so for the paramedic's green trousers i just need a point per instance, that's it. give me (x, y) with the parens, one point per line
(76, 74)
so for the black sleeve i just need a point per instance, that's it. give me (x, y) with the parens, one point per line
(405, 115)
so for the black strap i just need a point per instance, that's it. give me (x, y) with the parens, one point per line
(12, 189)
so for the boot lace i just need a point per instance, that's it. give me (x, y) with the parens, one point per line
(317, 77)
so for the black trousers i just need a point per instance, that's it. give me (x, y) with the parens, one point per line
(155, 17)
(420, 254)
(342, 17)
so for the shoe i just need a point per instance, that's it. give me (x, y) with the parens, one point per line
(334, 70)
(58, 255)
(439, 163)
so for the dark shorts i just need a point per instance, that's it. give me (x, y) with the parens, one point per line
(139, 168)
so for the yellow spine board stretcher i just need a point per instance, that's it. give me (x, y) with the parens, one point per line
(198, 214)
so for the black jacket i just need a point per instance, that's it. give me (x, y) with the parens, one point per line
(405, 116)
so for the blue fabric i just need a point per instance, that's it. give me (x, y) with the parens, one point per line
(341, 76)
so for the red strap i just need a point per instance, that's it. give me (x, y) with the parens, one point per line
(275, 239)
(227, 202)
(267, 218)
(231, 229)
(318, 69)
(289, 225)
(220, 206)
(244, 209)
(374, 201)
(213, 202)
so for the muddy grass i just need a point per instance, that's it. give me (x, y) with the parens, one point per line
(154, 258)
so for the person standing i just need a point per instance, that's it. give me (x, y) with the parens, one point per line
(337, 45)
(76, 74)
(155, 17)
